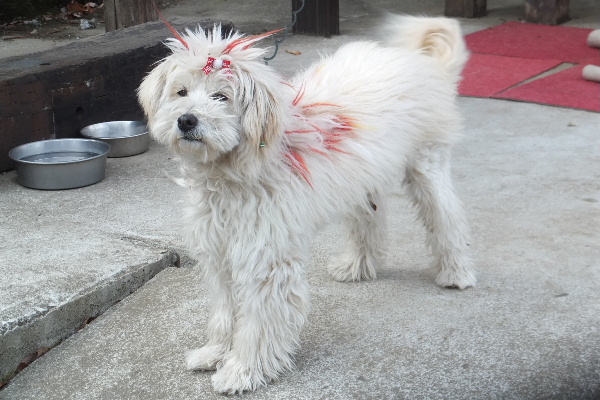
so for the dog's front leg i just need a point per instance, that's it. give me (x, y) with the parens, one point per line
(271, 312)
(220, 325)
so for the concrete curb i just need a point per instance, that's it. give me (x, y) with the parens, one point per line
(53, 325)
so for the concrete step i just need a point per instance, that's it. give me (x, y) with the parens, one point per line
(68, 255)
(394, 338)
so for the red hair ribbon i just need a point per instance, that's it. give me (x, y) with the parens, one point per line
(217, 63)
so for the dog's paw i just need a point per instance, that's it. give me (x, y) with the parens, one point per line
(352, 269)
(234, 378)
(205, 358)
(456, 279)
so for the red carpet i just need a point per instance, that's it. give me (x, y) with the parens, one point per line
(505, 56)
(565, 88)
(522, 40)
(486, 74)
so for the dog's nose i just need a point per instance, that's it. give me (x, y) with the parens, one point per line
(187, 122)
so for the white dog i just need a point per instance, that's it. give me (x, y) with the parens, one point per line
(267, 161)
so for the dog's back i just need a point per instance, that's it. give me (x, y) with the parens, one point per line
(400, 91)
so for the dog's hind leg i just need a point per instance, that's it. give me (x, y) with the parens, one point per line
(220, 325)
(365, 247)
(428, 181)
(270, 314)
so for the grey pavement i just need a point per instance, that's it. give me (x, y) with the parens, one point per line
(528, 176)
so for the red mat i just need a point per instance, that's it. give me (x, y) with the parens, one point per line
(522, 40)
(486, 75)
(505, 56)
(565, 88)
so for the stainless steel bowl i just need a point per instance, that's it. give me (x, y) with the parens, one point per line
(126, 138)
(60, 163)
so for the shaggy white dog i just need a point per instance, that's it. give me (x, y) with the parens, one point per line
(267, 161)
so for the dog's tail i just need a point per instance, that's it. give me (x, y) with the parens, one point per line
(438, 37)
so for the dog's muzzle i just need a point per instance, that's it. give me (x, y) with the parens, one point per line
(188, 124)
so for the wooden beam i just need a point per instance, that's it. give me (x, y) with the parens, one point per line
(318, 17)
(465, 8)
(548, 12)
(119, 14)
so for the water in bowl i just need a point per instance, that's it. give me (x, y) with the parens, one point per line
(59, 157)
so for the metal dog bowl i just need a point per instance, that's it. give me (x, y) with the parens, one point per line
(126, 138)
(60, 163)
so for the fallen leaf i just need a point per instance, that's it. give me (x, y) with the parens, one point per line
(27, 360)
(75, 8)
(296, 53)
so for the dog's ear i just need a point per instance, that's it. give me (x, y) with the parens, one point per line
(152, 88)
(261, 109)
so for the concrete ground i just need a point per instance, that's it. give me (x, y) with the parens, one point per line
(527, 174)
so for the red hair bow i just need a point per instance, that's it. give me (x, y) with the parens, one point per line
(215, 63)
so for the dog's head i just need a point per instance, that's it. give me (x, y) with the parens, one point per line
(212, 96)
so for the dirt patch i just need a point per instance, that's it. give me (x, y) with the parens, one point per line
(61, 26)
(67, 23)
(23, 36)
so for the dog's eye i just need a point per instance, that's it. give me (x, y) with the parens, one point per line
(182, 92)
(218, 97)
